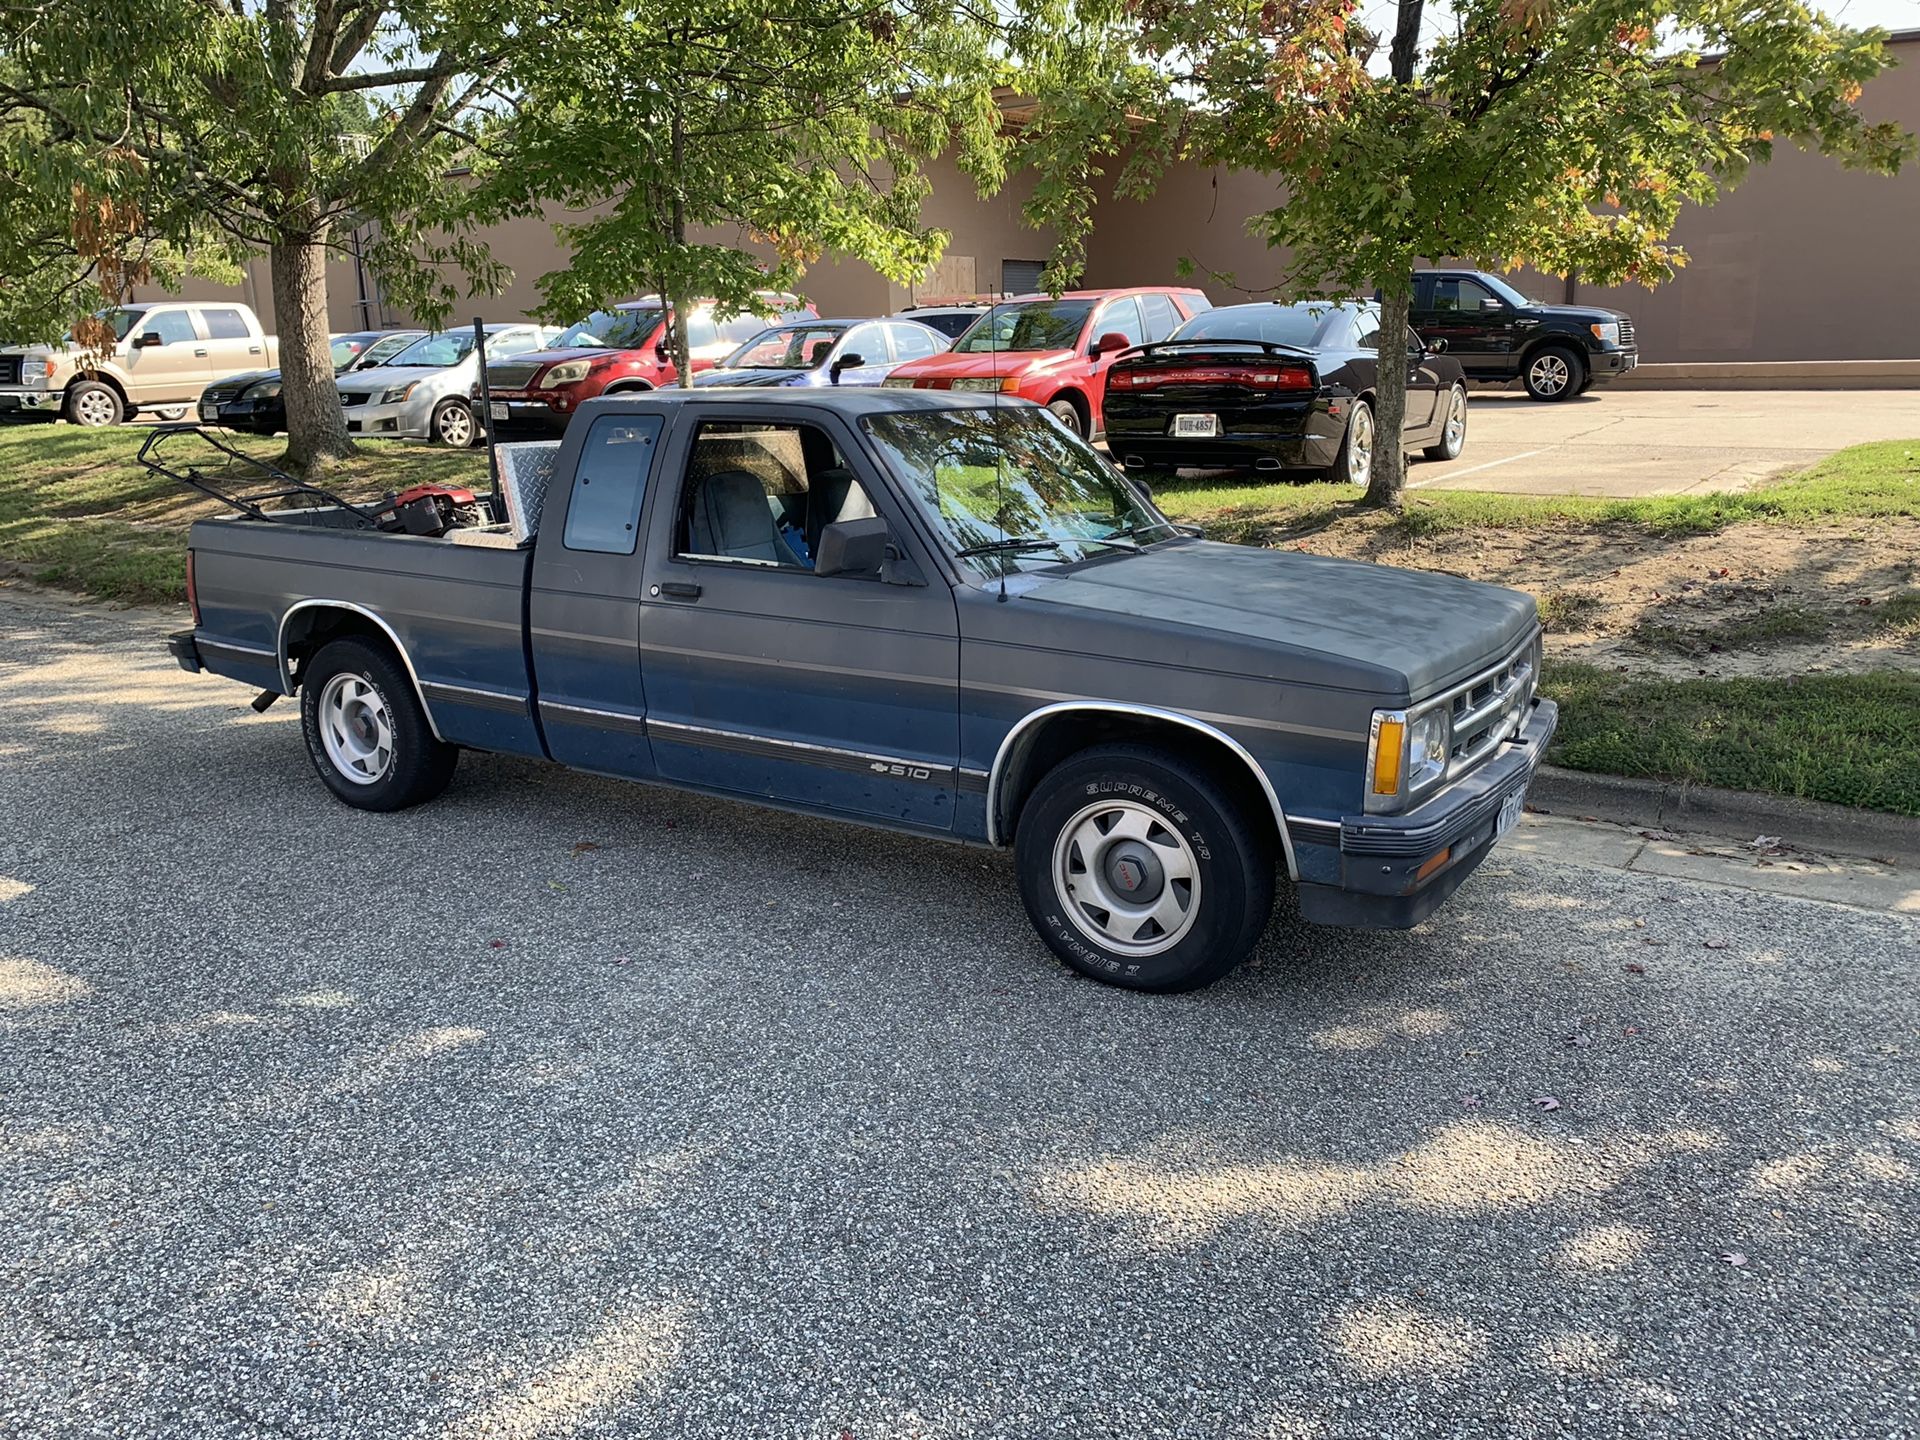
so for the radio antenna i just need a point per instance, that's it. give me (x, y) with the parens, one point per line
(497, 507)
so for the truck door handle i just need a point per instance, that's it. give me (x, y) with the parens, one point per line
(253, 349)
(679, 589)
(201, 353)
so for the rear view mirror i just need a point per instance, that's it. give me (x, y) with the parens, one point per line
(852, 547)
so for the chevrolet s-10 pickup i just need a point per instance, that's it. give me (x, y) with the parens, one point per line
(941, 613)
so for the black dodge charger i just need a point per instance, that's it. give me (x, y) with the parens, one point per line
(1276, 387)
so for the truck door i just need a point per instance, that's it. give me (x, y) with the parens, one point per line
(232, 346)
(172, 365)
(1477, 324)
(583, 602)
(767, 679)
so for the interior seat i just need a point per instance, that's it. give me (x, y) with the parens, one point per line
(730, 517)
(834, 496)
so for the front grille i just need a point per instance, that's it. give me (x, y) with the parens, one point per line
(511, 377)
(355, 397)
(1626, 332)
(221, 394)
(9, 369)
(1489, 708)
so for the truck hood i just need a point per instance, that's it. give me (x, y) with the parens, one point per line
(949, 366)
(36, 350)
(1588, 313)
(1432, 630)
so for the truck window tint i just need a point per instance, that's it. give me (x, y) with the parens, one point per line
(224, 324)
(1452, 295)
(760, 494)
(604, 511)
(172, 326)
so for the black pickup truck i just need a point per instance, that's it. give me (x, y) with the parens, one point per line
(939, 613)
(1499, 335)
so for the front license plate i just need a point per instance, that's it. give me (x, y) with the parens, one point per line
(499, 410)
(208, 413)
(1196, 427)
(1510, 809)
(1632, 360)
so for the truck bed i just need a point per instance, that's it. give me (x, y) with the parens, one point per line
(454, 607)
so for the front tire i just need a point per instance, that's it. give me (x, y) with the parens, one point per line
(1068, 414)
(93, 405)
(453, 425)
(366, 734)
(1453, 429)
(1554, 372)
(1139, 870)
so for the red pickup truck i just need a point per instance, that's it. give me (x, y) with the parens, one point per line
(616, 351)
(1054, 351)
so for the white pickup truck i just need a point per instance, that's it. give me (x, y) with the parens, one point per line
(163, 355)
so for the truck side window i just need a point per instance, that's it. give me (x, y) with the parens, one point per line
(172, 326)
(224, 324)
(604, 511)
(760, 494)
(1455, 295)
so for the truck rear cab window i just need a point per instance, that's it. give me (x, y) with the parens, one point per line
(224, 324)
(760, 494)
(603, 513)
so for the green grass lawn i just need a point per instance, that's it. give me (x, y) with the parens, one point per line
(1849, 739)
(1864, 482)
(76, 511)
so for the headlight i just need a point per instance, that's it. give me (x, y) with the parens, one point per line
(394, 394)
(265, 390)
(1405, 755)
(1607, 332)
(566, 373)
(35, 369)
(897, 382)
(987, 382)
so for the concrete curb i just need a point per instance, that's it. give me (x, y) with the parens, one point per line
(1671, 805)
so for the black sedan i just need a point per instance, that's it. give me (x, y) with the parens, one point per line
(1274, 387)
(252, 401)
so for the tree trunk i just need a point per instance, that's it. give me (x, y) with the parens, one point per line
(316, 426)
(1389, 475)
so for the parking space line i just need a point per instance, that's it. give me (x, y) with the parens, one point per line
(1476, 469)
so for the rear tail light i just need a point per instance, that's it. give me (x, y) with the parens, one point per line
(1250, 376)
(193, 595)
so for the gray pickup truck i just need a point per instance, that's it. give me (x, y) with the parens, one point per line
(924, 611)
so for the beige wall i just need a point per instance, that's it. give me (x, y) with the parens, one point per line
(1805, 261)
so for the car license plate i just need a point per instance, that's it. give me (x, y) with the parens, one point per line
(1632, 360)
(1510, 809)
(1196, 427)
(498, 410)
(208, 412)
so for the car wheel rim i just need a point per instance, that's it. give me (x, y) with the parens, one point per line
(456, 425)
(1069, 417)
(1128, 881)
(356, 730)
(1360, 446)
(1550, 374)
(95, 407)
(1457, 422)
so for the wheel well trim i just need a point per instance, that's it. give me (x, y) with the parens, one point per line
(1004, 757)
(99, 377)
(286, 660)
(629, 385)
(1555, 339)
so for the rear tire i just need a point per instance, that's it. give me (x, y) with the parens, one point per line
(93, 405)
(366, 734)
(1353, 461)
(1453, 427)
(1554, 372)
(1139, 870)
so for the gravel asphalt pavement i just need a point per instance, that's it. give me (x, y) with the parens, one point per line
(565, 1108)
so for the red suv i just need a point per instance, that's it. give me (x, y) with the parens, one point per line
(624, 348)
(1054, 352)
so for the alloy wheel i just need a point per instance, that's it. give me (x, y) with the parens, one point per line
(94, 408)
(455, 426)
(356, 729)
(1360, 445)
(1126, 880)
(1456, 432)
(1549, 374)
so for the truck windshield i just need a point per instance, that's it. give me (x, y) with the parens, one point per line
(120, 321)
(610, 330)
(1027, 325)
(787, 347)
(991, 477)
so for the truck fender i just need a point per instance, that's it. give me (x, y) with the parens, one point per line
(284, 649)
(1013, 749)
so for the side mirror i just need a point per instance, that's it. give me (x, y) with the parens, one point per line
(1108, 343)
(1436, 346)
(852, 547)
(147, 338)
(663, 354)
(845, 362)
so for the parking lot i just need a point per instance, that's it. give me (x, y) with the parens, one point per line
(1621, 441)
(568, 1108)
